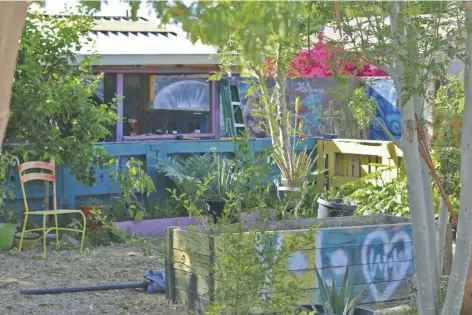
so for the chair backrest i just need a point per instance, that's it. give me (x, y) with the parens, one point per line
(37, 170)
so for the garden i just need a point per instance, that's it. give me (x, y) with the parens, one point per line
(325, 225)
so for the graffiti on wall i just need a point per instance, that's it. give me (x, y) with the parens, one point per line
(191, 94)
(384, 93)
(314, 95)
(320, 111)
(394, 256)
(314, 98)
(379, 259)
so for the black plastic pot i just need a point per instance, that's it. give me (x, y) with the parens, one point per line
(335, 208)
(216, 210)
(320, 311)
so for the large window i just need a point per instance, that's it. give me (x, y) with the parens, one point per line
(156, 105)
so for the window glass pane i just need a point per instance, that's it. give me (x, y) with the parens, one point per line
(179, 105)
(158, 105)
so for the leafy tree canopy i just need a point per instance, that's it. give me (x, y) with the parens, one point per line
(53, 111)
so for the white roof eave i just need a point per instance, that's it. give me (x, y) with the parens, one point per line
(164, 59)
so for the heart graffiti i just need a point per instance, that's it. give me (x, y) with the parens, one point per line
(394, 255)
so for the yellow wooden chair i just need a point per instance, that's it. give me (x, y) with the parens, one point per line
(45, 171)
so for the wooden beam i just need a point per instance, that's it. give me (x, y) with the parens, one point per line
(119, 108)
(215, 108)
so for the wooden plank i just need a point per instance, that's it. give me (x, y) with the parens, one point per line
(338, 181)
(338, 164)
(170, 273)
(381, 292)
(192, 300)
(191, 242)
(364, 165)
(353, 148)
(331, 157)
(327, 223)
(365, 235)
(195, 263)
(392, 151)
(357, 166)
(358, 274)
(199, 264)
(191, 282)
(374, 291)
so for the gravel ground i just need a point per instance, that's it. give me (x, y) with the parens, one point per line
(112, 264)
(116, 263)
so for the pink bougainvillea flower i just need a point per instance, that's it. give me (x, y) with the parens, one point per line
(319, 61)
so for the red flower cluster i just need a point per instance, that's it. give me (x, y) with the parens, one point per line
(319, 61)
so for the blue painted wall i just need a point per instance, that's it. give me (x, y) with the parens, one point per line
(70, 193)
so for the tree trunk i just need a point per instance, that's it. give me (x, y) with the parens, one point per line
(427, 299)
(12, 20)
(460, 265)
(428, 198)
(442, 224)
(426, 293)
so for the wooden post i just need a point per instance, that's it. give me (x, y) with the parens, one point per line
(119, 107)
(169, 264)
(215, 108)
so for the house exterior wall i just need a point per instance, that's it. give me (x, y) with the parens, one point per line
(70, 194)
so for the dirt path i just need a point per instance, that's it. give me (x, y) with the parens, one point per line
(103, 265)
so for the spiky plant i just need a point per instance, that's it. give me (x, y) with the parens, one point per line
(294, 165)
(222, 180)
(334, 302)
(296, 169)
(186, 174)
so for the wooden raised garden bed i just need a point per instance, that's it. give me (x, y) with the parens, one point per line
(378, 251)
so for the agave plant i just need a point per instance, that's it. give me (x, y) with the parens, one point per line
(222, 181)
(296, 168)
(334, 302)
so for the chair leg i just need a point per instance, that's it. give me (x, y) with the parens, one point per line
(57, 228)
(44, 236)
(23, 229)
(83, 231)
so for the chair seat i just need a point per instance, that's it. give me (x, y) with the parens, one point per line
(48, 212)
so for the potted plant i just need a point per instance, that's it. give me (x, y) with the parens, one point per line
(220, 184)
(8, 229)
(135, 183)
(334, 302)
(89, 207)
(332, 204)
